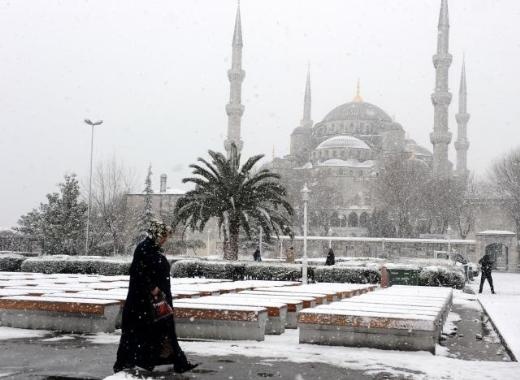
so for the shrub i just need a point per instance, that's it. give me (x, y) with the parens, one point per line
(441, 276)
(78, 264)
(11, 262)
(352, 274)
(247, 270)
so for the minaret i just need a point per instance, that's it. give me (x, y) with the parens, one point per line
(307, 121)
(462, 117)
(441, 97)
(234, 108)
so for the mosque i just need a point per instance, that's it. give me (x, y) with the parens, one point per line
(348, 148)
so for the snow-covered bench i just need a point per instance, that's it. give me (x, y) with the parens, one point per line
(57, 313)
(276, 310)
(294, 305)
(397, 319)
(307, 301)
(223, 322)
(320, 298)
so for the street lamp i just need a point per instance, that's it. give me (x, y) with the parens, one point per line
(92, 125)
(305, 197)
(448, 231)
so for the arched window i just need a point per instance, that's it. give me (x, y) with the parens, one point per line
(352, 219)
(363, 219)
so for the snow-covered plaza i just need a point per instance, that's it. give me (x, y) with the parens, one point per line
(474, 353)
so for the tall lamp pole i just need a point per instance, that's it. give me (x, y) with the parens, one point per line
(305, 197)
(92, 125)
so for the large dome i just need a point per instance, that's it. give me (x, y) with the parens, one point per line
(343, 142)
(357, 110)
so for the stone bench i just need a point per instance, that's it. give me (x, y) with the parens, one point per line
(391, 319)
(320, 298)
(294, 305)
(222, 322)
(276, 310)
(81, 315)
(343, 327)
(307, 301)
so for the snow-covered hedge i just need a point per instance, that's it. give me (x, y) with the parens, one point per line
(441, 276)
(11, 262)
(77, 264)
(247, 270)
(238, 270)
(351, 274)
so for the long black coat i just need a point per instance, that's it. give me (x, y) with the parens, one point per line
(141, 337)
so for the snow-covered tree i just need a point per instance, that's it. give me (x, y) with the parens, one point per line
(59, 223)
(506, 177)
(146, 214)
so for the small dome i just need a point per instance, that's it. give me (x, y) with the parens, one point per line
(348, 163)
(357, 110)
(343, 142)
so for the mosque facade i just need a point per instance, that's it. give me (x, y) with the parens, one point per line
(347, 149)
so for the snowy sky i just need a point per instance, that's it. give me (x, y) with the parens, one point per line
(155, 72)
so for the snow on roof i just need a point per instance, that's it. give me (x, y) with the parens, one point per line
(496, 232)
(348, 163)
(343, 142)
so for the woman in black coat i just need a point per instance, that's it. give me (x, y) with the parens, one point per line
(145, 342)
(331, 260)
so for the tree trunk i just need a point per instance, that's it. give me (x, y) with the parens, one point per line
(231, 253)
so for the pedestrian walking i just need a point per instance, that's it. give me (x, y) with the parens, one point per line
(256, 255)
(148, 334)
(331, 260)
(486, 263)
(289, 255)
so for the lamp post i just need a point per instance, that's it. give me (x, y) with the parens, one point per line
(92, 125)
(448, 231)
(305, 197)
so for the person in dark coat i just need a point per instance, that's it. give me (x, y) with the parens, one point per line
(486, 263)
(331, 260)
(256, 255)
(146, 342)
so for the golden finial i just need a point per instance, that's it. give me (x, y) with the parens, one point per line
(358, 97)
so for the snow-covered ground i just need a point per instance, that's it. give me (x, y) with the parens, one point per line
(411, 365)
(504, 307)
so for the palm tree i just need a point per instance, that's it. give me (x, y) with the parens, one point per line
(236, 196)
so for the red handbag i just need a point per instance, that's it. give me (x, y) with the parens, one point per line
(162, 309)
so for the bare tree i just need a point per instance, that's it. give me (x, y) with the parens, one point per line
(113, 222)
(464, 209)
(398, 192)
(506, 176)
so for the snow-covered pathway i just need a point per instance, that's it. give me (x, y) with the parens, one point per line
(504, 307)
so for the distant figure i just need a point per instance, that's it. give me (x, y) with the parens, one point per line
(289, 258)
(256, 255)
(461, 259)
(486, 263)
(330, 258)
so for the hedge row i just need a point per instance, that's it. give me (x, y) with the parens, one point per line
(442, 276)
(241, 270)
(77, 264)
(11, 262)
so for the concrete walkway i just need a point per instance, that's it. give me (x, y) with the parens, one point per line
(503, 307)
